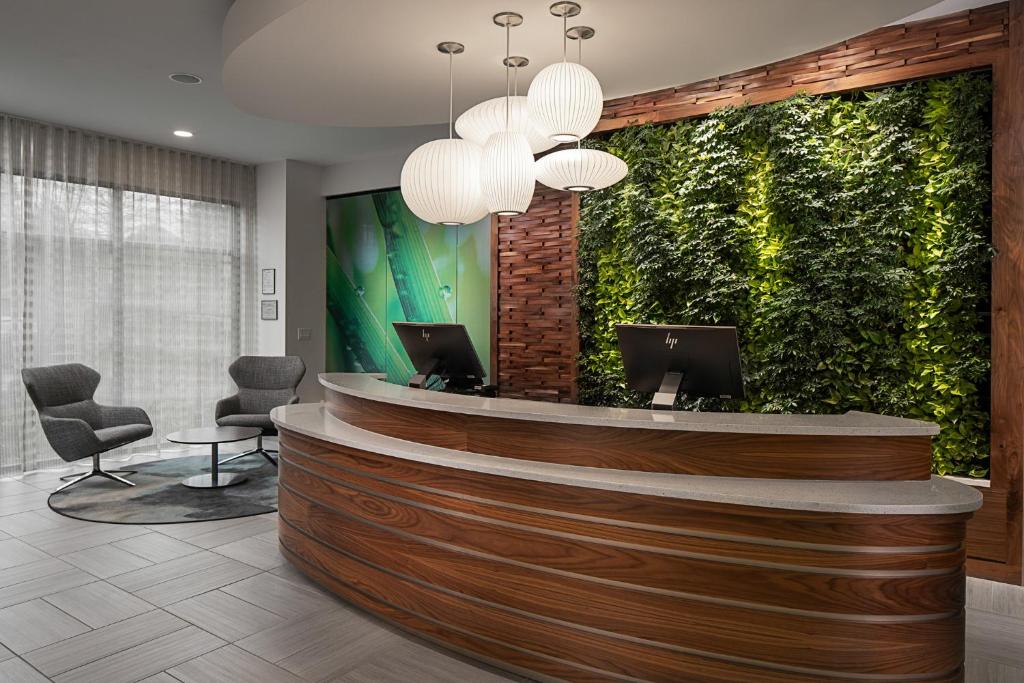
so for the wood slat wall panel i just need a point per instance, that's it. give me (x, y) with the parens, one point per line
(534, 344)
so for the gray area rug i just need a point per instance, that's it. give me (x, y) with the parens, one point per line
(159, 497)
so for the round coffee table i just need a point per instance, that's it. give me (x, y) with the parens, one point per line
(214, 436)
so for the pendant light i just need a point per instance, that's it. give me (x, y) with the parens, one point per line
(479, 122)
(441, 179)
(580, 170)
(506, 165)
(565, 98)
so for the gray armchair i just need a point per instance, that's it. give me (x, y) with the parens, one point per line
(264, 382)
(75, 425)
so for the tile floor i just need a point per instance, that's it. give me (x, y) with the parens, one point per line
(214, 602)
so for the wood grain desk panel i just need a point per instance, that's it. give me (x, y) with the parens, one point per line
(579, 584)
(775, 456)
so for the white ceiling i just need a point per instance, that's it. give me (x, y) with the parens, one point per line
(103, 64)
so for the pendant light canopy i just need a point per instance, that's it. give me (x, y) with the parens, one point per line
(478, 123)
(565, 98)
(506, 167)
(441, 179)
(580, 170)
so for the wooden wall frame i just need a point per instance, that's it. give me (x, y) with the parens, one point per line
(990, 37)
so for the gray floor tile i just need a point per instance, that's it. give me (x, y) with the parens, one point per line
(328, 658)
(995, 637)
(146, 659)
(162, 677)
(229, 665)
(14, 552)
(43, 585)
(254, 552)
(250, 526)
(160, 572)
(23, 502)
(986, 671)
(89, 647)
(289, 637)
(412, 661)
(104, 561)
(281, 596)
(32, 570)
(17, 671)
(34, 624)
(185, 531)
(156, 547)
(14, 487)
(227, 572)
(98, 604)
(5, 653)
(69, 540)
(223, 615)
(35, 521)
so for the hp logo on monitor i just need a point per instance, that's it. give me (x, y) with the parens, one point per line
(671, 341)
(425, 335)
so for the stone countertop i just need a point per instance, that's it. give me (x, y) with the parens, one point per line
(853, 423)
(933, 497)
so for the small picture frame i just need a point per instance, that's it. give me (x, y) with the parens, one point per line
(270, 281)
(268, 309)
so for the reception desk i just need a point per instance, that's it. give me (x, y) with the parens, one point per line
(574, 543)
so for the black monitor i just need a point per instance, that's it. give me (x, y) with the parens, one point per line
(671, 359)
(442, 349)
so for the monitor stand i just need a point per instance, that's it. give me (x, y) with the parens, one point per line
(665, 398)
(419, 380)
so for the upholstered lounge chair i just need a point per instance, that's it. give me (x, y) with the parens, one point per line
(264, 383)
(75, 425)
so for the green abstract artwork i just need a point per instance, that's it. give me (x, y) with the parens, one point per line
(385, 265)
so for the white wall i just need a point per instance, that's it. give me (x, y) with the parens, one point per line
(360, 176)
(270, 253)
(305, 250)
(290, 227)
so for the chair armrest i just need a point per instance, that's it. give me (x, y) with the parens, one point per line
(115, 416)
(227, 406)
(70, 437)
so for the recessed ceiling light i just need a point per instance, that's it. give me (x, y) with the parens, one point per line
(183, 133)
(186, 79)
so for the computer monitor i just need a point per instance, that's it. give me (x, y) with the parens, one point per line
(671, 359)
(442, 349)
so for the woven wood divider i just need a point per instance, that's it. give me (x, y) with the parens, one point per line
(534, 327)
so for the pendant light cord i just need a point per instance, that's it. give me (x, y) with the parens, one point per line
(565, 37)
(451, 92)
(508, 90)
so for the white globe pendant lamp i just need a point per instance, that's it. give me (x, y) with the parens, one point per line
(479, 122)
(506, 166)
(565, 98)
(441, 179)
(580, 170)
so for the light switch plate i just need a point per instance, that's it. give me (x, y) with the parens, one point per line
(304, 333)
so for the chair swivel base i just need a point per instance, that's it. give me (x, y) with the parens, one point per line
(265, 452)
(73, 479)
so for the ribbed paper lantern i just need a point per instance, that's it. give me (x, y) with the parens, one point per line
(441, 182)
(506, 173)
(579, 170)
(479, 123)
(565, 101)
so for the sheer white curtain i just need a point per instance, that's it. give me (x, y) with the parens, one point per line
(136, 260)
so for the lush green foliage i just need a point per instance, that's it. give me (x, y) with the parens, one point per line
(847, 237)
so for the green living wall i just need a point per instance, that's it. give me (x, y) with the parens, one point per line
(847, 237)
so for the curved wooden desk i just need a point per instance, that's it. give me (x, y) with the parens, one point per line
(588, 544)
